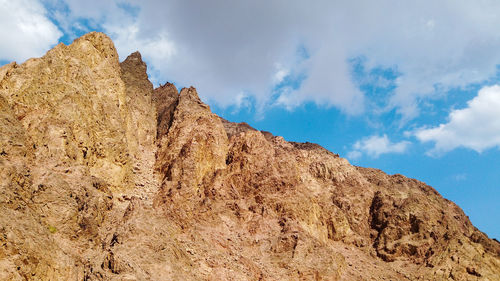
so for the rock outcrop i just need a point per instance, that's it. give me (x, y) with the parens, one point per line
(103, 177)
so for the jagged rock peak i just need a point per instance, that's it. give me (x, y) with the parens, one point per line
(134, 72)
(165, 99)
(135, 55)
(135, 60)
(100, 41)
(191, 94)
(167, 85)
(103, 177)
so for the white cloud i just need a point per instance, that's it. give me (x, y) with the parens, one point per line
(375, 146)
(228, 47)
(475, 127)
(281, 73)
(354, 154)
(25, 30)
(242, 101)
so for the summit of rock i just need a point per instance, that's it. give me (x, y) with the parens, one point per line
(103, 177)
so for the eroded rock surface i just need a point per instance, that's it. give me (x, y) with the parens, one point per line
(103, 177)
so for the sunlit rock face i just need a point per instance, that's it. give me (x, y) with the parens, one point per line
(103, 177)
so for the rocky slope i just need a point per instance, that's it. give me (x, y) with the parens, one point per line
(103, 177)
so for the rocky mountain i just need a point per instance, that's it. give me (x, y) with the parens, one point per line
(103, 177)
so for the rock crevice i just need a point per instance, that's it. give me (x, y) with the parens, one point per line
(103, 177)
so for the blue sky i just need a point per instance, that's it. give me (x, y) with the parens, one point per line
(408, 88)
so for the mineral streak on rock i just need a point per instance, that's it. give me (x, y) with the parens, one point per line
(103, 177)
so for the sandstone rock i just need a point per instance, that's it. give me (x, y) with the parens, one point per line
(141, 125)
(165, 98)
(104, 178)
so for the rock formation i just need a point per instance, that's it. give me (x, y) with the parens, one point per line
(103, 177)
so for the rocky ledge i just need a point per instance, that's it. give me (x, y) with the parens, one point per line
(103, 177)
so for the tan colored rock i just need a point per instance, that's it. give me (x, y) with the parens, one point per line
(104, 178)
(141, 123)
(165, 99)
(72, 104)
(71, 117)
(193, 151)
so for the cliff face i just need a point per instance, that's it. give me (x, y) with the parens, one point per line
(103, 177)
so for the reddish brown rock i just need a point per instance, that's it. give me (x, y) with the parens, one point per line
(104, 178)
(165, 98)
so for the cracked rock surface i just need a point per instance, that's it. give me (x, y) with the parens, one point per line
(103, 177)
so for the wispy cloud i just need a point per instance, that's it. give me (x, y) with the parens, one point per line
(460, 177)
(375, 145)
